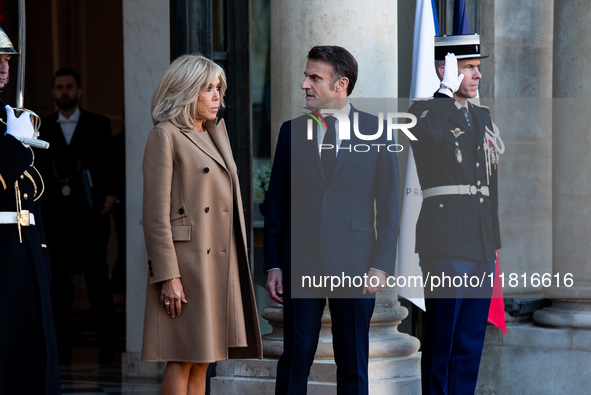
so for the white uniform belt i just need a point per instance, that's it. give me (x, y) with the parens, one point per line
(9, 217)
(454, 190)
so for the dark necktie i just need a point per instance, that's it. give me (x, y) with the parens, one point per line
(468, 116)
(329, 156)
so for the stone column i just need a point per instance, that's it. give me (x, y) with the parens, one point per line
(571, 307)
(369, 32)
(517, 85)
(147, 55)
(542, 52)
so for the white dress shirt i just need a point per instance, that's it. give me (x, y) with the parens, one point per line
(68, 125)
(321, 131)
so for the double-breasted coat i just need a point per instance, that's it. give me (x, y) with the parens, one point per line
(194, 229)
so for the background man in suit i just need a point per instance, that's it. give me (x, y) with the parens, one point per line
(80, 194)
(320, 218)
(458, 228)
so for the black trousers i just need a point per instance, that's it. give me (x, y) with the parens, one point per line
(82, 249)
(350, 331)
(455, 325)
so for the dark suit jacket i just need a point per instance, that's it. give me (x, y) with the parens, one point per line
(461, 226)
(70, 220)
(326, 223)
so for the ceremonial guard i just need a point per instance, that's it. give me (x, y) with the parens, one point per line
(456, 153)
(28, 351)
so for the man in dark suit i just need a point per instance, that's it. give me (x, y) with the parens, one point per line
(323, 200)
(80, 194)
(457, 232)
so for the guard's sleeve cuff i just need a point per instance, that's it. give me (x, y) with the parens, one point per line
(446, 92)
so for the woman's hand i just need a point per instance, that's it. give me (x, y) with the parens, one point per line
(172, 296)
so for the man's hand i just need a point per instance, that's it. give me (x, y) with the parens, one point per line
(20, 127)
(380, 275)
(451, 79)
(275, 285)
(109, 202)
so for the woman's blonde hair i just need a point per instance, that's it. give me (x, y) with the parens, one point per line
(175, 98)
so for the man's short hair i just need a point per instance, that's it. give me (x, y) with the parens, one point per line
(341, 60)
(65, 71)
(438, 64)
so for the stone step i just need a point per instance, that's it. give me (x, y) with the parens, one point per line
(251, 376)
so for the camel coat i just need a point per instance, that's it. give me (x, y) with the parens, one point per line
(194, 229)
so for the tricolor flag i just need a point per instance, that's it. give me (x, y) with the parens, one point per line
(460, 18)
(424, 82)
(496, 313)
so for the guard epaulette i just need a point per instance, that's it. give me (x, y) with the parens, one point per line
(421, 99)
(485, 108)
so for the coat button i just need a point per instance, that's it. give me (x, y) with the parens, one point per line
(206, 170)
(441, 205)
(181, 211)
(25, 196)
(149, 262)
(151, 274)
(478, 183)
(209, 249)
(479, 148)
(457, 144)
(207, 209)
(477, 164)
(481, 200)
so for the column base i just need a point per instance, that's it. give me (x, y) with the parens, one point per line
(132, 366)
(566, 313)
(535, 360)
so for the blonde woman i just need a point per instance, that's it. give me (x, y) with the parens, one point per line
(200, 305)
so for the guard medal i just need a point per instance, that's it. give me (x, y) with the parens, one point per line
(459, 155)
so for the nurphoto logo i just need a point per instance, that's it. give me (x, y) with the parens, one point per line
(344, 132)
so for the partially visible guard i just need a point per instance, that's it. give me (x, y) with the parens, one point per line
(28, 350)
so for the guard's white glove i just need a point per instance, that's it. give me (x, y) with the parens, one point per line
(20, 128)
(451, 79)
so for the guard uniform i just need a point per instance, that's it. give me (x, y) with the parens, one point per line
(457, 234)
(448, 152)
(28, 351)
